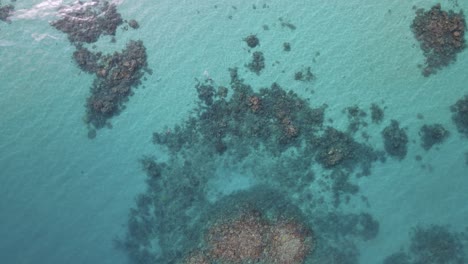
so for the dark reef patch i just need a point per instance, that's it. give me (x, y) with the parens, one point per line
(87, 60)
(133, 24)
(395, 140)
(273, 119)
(460, 115)
(5, 12)
(115, 74)
(258, 62)
(339, 149)
(252, 41)
(86, 22)
(431, 245)
(286, 24)
(441, 36)
(274, 138)
(287, 46)
(432, 134)
(356, 118)
(304, 75)
(377, 113)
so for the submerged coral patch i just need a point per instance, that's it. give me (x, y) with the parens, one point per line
(433, 244)
(395, 140)
(432, 135)
(441, 36)
(5, 12)
(258, 62)
(460, 115)
(87, 21)
(252, 41)
(115, 74)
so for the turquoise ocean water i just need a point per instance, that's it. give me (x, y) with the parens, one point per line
(64, 197)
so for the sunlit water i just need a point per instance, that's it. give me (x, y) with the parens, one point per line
(64, 198)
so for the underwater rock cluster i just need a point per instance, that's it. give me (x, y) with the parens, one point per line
(87, 21)
(230, 124)
(6, 11)
(252, 41)
(115, 74)
(304, 75)
(275, 140)
(431, 245)
(441, 36)
(255, 239)
(460, 115)
(377, 113)
(272, 119)
(258, 62)
(432, 135)
(395, 140)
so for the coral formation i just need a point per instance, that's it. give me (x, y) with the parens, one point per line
(304, 75)
(5, 12)
(86, 22)
(258, 62)
(395, 140)
(133, 24)
(460, 115)
(188, 222)
(432, 134)
(432, 244)
(115, 74)
(441, 36)
(377, 113)
(252, 41)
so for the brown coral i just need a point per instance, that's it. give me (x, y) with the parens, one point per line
(252, 239)
(238, 241)
(287, 243)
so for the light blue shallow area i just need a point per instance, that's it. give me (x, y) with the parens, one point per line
(64, 198)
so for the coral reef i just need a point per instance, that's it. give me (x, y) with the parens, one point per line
(239, 241)
(258, 62)
(432, 244)
(356, 118)
(115, 74)
(133, 24)
(432, 134)
(336, 148)
(304, 75)
(441, 36)
(395, 140)
(5, 12)
(253, 239)
(460, 115)
(252, 41)
(86, 22)
(377, 113)
(189, 222)
(436, 244)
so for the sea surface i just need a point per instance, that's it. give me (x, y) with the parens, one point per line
(64, 198)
